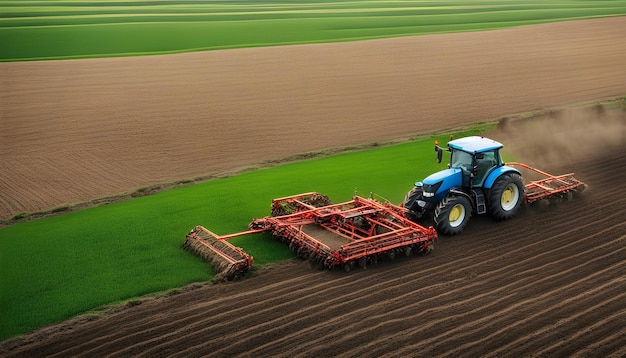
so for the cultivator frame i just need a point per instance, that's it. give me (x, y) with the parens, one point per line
(550, 187)
(359, 231)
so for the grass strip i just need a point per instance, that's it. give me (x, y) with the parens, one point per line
(58, 267)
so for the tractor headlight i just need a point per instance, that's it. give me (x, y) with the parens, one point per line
(431, 189)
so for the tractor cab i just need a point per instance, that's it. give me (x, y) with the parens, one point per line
(474, 163)
(475, 156)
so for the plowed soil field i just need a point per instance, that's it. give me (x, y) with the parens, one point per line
(547, 283)
(75, 130)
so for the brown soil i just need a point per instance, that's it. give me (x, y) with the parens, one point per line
(547, 283)
(74, 130)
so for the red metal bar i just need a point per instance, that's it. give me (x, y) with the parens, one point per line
(543, 188)
(243, 233)
(529, 168)
(292, 197)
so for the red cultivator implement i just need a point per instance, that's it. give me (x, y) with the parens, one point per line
(551, 186)
(356, 232)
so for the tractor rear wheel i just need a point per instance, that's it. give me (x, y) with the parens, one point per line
(506, 196)
(452, 214)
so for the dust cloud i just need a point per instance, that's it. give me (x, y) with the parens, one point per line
(561, 138)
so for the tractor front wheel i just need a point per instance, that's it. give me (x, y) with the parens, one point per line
(452, 215)
(506, 196)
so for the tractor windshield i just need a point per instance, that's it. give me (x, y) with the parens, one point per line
(461, 159)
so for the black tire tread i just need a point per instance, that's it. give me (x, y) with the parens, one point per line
(441, 212)
(495, 193)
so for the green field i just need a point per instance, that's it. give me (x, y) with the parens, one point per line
(61, 266)
(64, 29)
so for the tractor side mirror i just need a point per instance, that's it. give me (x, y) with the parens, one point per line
(439, 153)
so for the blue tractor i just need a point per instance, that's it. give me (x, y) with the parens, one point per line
(476, 181)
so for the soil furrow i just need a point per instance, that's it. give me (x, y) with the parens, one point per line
(486, 332)
(390, 317)
(598, 330)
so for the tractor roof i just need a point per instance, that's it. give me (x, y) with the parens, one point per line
(474, 144)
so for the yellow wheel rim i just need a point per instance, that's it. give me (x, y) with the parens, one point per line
(510, 197)
(506, 196)
(456, 215)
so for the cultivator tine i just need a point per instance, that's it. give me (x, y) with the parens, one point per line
(226, 260)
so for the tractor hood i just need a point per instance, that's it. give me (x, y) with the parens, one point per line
(436, 185)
